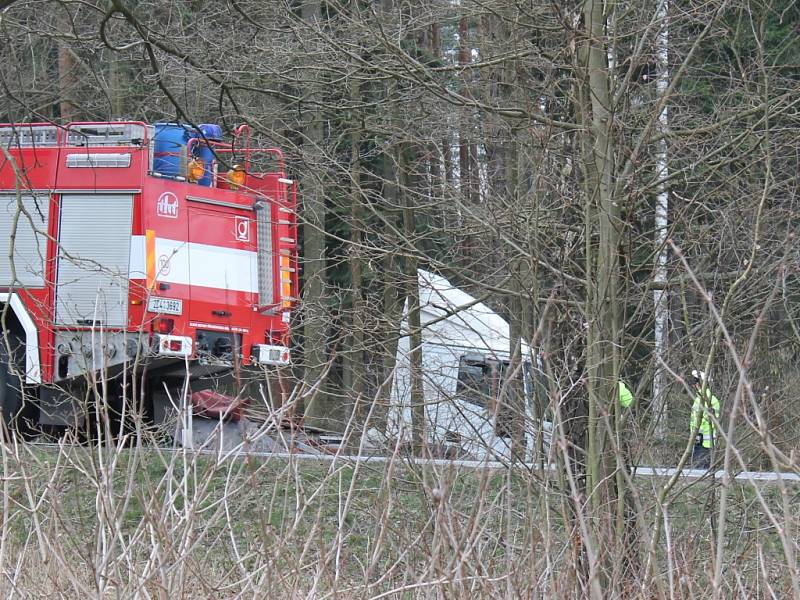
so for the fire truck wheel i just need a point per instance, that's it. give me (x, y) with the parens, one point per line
(18, 402)
(10, 391)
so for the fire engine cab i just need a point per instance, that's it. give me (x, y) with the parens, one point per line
(138, 248)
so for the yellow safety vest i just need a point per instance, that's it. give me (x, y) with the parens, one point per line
(700, 412)
(625, 395)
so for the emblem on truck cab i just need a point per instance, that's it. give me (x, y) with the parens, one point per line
(242, 229)
(167, 205)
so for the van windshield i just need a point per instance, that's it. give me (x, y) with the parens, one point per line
(480, 380)
(474, 381)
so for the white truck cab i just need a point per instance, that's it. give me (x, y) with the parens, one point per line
(466, 378)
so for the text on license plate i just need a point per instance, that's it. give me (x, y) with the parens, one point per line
(166, 306)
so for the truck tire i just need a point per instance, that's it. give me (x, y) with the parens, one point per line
(10, 391)
(16, 413)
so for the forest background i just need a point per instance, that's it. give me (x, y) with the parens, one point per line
(618, 179)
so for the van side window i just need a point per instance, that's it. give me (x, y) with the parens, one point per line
(474, 381)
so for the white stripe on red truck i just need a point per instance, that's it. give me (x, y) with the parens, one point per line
(199, 265)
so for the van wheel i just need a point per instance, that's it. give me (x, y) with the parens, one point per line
(16, 412)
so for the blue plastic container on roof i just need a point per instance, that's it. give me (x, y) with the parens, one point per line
(169, 149)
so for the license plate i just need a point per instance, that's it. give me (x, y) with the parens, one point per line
(165, 306)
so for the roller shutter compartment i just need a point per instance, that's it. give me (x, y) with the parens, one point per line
(93, 257)
(29, 225)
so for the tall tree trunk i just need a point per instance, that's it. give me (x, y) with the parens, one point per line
(516, 414)
(474, 175)
(660, 304)
(393, 288)
(315, 322)
(602, 223)
(66, 69)
(116, 90)
(412, 294)
(504, 185)
(355, 361)
(464, 162)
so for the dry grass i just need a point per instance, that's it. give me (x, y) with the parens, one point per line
(103, 521)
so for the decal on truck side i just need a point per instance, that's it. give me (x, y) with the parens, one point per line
(167, 205)
(163, 265)
(218, 327)
(243, 229)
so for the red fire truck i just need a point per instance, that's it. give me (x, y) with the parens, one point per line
(138, 249)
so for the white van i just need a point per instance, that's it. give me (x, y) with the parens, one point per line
(465, 363)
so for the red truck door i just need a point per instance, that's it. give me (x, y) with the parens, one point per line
(223, 266)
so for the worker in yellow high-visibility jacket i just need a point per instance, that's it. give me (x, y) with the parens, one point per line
(702, 426)
(626, 439)
(625, 395)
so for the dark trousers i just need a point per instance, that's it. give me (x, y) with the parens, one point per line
(701, 457)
